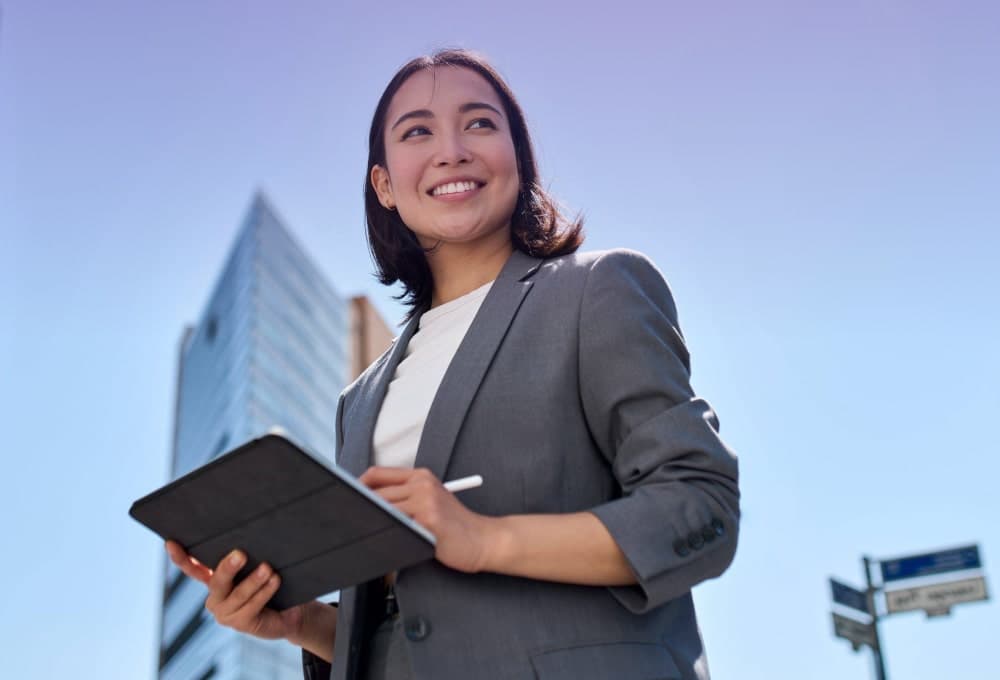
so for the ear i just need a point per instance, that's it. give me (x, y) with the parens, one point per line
(382, 186)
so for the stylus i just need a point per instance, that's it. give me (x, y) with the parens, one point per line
(464, 483)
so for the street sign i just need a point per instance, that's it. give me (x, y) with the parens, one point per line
(849, 597)
(927, 564)
(856, 632)
(937, 598)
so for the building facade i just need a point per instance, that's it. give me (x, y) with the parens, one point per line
(274, 346)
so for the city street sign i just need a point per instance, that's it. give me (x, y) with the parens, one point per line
(849, 597)
(938, 598)
(927, 564)
(854, 631)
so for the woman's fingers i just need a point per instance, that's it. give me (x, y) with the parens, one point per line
(251, 617)
(237, 598)
(401, 486)
(421, 496)
(395, 493)
(418, 493)
(242, 606)
(460, 533)
(378, 477)
(187, 564)
(221, 583)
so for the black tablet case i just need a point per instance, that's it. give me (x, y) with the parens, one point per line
(317, 526)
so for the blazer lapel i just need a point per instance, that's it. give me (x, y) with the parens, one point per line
(468, 367)
(357, 453)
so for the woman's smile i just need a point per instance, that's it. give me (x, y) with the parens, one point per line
(455, 186)
(451, 190)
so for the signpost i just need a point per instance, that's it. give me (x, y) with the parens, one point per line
(854, 631)
(936, 598)
(849, 597)
(928, 564)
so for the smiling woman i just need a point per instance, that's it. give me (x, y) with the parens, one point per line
(443, 120)
(450, 171)
(561, 378)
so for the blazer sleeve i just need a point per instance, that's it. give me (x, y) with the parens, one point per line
(677, 518)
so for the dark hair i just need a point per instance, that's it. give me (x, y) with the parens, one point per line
(538, 227)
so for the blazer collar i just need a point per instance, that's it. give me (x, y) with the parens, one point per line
(461, 381)
(468, 367)
(356, 453)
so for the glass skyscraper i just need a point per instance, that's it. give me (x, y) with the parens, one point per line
(274, 346)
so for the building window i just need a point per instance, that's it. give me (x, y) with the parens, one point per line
(197, 620)
(212, 329)
(172, 587)
(208, 674)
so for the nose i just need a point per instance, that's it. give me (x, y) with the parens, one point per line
(451, 151)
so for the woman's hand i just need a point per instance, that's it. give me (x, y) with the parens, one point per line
(464, 538)
(241, 606)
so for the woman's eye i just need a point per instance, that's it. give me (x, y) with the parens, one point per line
(416, 132)
(481, 123)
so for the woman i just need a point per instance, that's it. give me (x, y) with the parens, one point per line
(561, 378)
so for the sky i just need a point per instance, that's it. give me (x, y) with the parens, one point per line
(817, 181)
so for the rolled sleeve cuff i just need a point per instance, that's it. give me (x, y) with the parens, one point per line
(668, 563)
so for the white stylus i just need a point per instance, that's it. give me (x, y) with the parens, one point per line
(464, 483)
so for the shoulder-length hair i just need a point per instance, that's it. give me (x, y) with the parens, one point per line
(538, 227)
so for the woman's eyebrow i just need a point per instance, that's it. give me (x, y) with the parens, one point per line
(427, 113)
(419, 113)
(473, 106)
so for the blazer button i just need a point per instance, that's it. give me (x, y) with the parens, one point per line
(417, 628)
(681, 547)
(695, 540)
(718, 527)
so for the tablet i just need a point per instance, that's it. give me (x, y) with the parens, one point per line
(314, 523)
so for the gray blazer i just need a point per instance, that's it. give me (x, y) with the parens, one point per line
(569, 392)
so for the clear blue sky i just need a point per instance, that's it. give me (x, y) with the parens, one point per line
(818, 181)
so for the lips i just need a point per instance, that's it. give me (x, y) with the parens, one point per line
(458, 185)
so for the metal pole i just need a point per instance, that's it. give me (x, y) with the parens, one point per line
(877, 649)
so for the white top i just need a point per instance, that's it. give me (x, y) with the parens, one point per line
(418, 376)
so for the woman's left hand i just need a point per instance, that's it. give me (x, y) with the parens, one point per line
(463, 537)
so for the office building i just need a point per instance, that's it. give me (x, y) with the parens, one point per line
(274, 346)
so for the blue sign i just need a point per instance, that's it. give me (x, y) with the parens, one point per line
(929, 564)
(849, 597)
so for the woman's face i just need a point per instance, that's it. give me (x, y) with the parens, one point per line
(451, 169)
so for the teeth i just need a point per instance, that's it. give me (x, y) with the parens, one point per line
(454, 188)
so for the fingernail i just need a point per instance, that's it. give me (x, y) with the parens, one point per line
(273, 581)
(262, 572)
(236, 558)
